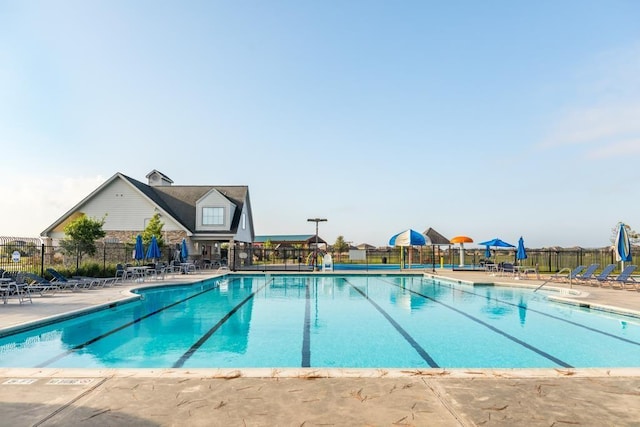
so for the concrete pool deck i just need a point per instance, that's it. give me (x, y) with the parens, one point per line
(295, 397)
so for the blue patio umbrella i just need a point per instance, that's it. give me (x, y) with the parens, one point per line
(497, 243)
(184, 251)
(138, 252)
(522, 252)
(623, 245)
(153, 252)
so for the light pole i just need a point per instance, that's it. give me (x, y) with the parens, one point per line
(315, 250)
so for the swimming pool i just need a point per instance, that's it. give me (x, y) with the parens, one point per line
(363, 321)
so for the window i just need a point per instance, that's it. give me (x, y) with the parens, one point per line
(244, 222)
(212, 216)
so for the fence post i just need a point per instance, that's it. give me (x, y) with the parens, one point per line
(42, 260)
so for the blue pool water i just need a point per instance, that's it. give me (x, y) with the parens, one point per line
(372, 321)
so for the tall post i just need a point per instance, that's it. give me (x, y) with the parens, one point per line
(315, 250)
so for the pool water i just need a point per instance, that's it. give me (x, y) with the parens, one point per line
(365, 321)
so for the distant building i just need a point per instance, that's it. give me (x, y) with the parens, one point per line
(365, 246)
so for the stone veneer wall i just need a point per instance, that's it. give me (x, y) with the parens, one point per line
(169, 237)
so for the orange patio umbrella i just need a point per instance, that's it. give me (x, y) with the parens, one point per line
(462, 240)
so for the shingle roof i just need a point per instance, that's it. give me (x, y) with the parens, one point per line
(436, 238)
(179, 201)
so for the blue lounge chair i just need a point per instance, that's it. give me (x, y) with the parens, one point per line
(64, 283)
(588, 273)
(625, 278)
(566, 274)
(604, 275)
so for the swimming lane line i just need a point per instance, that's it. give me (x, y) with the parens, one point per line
(306, 329)
(417, 347)
(554, 317)
(180, 362)
(119, 328)
(491, 327)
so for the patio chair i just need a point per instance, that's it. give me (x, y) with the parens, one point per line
(566, 274)
(588, 273)
(507, 268)
(123, 273)
(604, 276)
(625, 278)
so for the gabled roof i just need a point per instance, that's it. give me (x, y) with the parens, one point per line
(162, 176)
(177, 201)
(436, 238)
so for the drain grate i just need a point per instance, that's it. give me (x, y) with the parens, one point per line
(19, 381)
(70, 381)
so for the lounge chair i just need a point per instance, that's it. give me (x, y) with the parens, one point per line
(604, 276)
(38, 284)
(566, 274)
(588, 273)
(17, 288)
(625, 278)
(69, 284)
(96, 282)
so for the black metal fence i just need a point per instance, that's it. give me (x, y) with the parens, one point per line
(37, 258)
(294, 259)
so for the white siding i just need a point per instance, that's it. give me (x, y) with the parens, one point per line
(125, 208)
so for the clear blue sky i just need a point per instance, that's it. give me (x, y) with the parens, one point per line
(483, 118)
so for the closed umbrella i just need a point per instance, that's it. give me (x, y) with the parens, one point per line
(623, 245)
(521, 252)
(138, 252)
(184, 251)
(462, 240)
(153, 252)
(487, 252)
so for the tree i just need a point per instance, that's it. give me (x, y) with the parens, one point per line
(154, 228)
(81, 235)
(340, 246)
(634, 236)
(268, 246)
